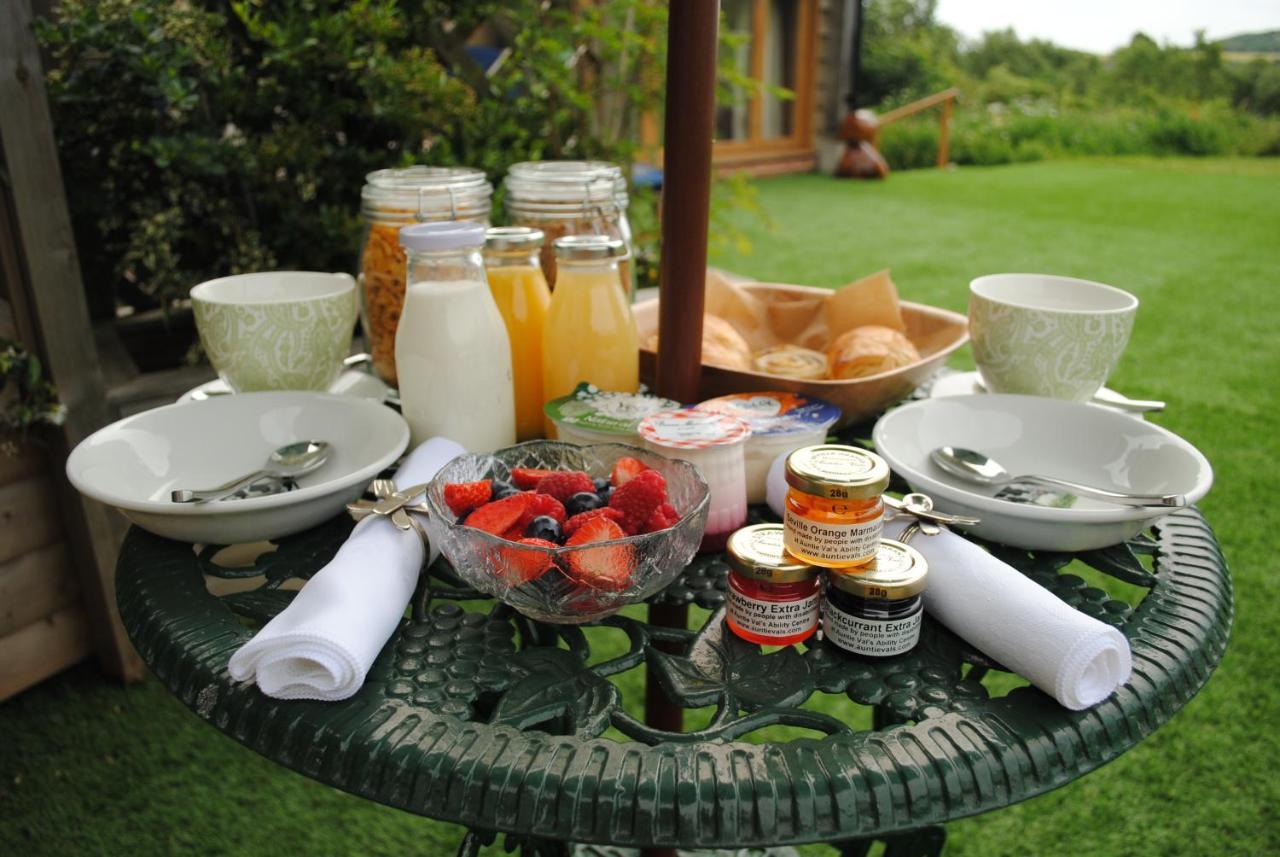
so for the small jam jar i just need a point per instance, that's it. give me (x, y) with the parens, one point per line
(773, 597)
(834, 516)
(875, 611)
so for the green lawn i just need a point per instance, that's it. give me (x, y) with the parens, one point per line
(86, 767)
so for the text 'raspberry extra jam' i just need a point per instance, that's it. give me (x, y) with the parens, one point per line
(876, 611)
(834, 516)
(773, 597)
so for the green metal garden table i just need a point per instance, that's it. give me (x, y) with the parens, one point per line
(476, 715)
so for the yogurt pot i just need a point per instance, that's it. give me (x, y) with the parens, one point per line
(715, 444)
(780, 424)
(591, 415)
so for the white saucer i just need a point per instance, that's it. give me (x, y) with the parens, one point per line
(1032, 434)
(133, 464)
(352, 382)
(970, 384)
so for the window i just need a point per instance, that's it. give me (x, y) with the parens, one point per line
(758, 124)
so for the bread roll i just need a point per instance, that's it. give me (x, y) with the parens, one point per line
(722, 345)
(869, 350)
(792, 361)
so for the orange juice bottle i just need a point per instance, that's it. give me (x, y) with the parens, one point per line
(590, 333)
(520, 290)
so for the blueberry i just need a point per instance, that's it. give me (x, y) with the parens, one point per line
(544, 527)
(605, 495)
(583, 501)
(502, 489)
(602, 485)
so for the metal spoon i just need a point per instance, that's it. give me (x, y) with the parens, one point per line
(978, 468)
(289, 461)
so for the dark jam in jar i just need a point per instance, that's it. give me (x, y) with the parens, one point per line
(875, 611)
(773, 597)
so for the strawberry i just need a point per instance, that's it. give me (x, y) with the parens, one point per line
(527, 478)
(624, 469)
(637, 499)
(462, 497)
(571, 526)
(607, 567)
(500, 515)
(521, 565)
(543, 504)
(565, 483)
(664, 516)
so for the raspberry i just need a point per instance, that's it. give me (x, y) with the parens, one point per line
(462, 497)
(564, 484)
(571, 526)
(543, 504)
(664, 516)
(638, 499)
(528, 477)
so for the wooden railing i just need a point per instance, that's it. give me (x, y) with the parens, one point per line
(945, 99)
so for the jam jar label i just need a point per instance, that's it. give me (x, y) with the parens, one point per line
(832, 542)
(773, 618)
(877, 638)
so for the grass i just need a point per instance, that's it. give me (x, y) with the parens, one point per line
(88, 767)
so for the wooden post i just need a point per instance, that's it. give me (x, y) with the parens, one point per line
(692, 40)
(48, 298)
(944, 133)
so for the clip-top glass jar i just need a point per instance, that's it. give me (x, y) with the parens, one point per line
(876, 611)
(392, 199)
(773, 597)
(571, 198)
(834, 516)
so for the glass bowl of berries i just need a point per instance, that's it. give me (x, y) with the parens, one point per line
(566, 533)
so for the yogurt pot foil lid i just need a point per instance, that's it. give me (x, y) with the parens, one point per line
(692, 429)
(589, 407)
(775, 414)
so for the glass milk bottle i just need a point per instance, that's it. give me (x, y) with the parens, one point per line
(520, 290)
(590, 334)
(453, 357)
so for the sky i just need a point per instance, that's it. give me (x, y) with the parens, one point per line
(1101, 26)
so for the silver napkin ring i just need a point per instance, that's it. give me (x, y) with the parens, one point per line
(920, 507)
(395, 505)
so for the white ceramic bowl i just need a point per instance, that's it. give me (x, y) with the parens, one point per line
(1051, 437)
(134, 464)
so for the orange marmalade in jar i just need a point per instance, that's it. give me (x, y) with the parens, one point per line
(834, 515)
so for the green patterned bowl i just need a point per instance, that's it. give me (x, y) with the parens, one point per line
(286, 330)
(1042, 335)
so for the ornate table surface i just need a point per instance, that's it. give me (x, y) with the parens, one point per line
(475, 715)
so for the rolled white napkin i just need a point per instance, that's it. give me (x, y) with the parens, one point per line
(322, 645)
(1015, 621)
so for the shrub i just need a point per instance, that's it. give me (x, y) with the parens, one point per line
(205, 138)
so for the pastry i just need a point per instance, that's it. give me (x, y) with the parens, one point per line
(792, 361)
(722, 345)
(869, 350)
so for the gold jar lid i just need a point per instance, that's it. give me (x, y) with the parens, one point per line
(897, 572)
(837, 472)
(757, 552)
(507, 238)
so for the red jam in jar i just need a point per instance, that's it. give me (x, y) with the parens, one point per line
(773, 597)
